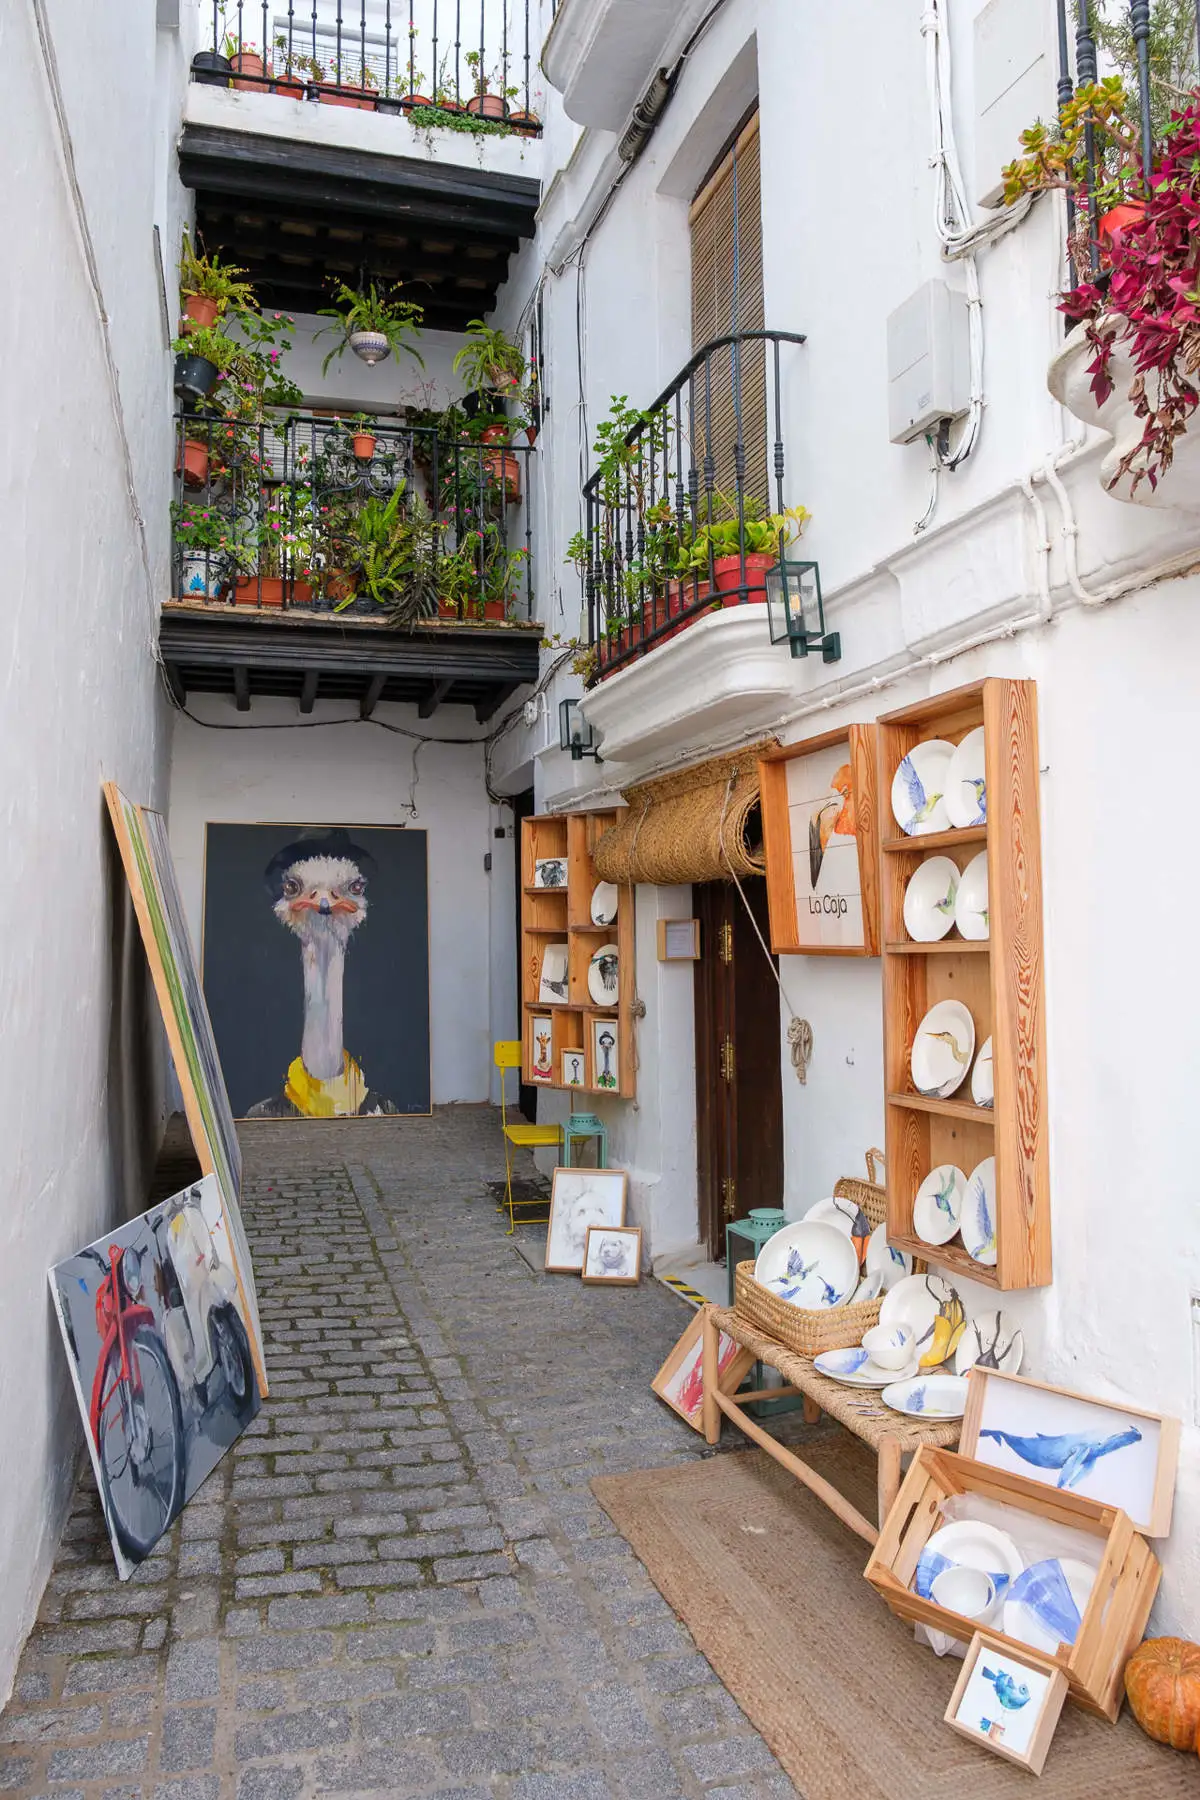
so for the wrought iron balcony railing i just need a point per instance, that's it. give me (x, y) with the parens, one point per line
(470, 59)
(374, 517)
(688, 509)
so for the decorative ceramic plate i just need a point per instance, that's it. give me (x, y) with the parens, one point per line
(929, 900)
(939, 1203)
(848, 1217)
(813, 1266)
(603, 985)
(966, 789)
(969, 1544)
(928, 1396)
(916, 1302)
(992, 1340)
(982, 1090)
(606, 897)
(919, 787)
(971, 904)
(869, 1288)
(1046, 1603)
(854, 1368)
(978, 1222)
(893, 1265)
(942, 1050)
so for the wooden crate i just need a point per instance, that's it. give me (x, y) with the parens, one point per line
(563, 915)
(1116, 1614)
(999, 980)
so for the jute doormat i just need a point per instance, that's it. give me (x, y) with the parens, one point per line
(770, 1586)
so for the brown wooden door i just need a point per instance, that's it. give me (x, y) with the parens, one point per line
(739, 1089)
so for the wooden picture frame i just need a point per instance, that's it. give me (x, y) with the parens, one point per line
(680, 1381)
(580, 1198)
(678, 940)
(970, 1709)
(593, 1274)
(1145, 1494)
(572, 1062)
(822, 894)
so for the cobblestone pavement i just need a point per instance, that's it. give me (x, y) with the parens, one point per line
(398, 1583)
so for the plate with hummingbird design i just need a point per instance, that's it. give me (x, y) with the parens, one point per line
(943, 1050)
(919, 788)
(929, 900)
(966, 788)
(939, 1203)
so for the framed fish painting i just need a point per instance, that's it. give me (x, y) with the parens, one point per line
(1100, 1449)
(680, 1381)
(821, 845)
(1008, 1704)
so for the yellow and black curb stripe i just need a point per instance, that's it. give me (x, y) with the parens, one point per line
(682, 1288)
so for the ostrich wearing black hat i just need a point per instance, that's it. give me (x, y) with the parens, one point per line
(319, 887)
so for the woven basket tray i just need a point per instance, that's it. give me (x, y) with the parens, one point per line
(809, 1333)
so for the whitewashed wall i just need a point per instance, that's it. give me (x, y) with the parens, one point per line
(80, 1062)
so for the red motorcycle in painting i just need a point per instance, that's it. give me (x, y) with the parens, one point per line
(136, 1416)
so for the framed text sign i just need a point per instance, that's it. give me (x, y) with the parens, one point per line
(821, 842)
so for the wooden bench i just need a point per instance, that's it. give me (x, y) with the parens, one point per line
(860, 1410)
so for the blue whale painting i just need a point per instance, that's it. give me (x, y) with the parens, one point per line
(1071, 1453)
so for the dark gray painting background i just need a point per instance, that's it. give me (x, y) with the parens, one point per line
(252, 974)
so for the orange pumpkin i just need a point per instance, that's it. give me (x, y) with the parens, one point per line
(1162, 1679)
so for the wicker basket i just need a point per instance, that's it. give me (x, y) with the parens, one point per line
(836, 1328)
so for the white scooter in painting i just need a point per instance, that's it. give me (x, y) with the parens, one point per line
(201, 1325)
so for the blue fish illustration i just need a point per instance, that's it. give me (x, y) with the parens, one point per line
(915, 788)
(1072, 1454)
(1011, 1694)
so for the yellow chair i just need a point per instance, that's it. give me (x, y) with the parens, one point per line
(507, 1055)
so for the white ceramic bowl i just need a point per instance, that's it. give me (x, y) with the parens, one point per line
(971, 902)
(969, 1592)
(943, 1050)
(966, 789)
(928, 1396)
(812, 1266)
(919, 788)
(929, 900)
(939, 1203)
(889, 1346)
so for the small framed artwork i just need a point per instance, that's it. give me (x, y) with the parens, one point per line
(1009, 1704)
(819, 839)
(680, 1381)
(550, 872)
(541, 1063)
(605, 1067)
(579, 1199)
(679, 940)
(1100, 1449)
(612, 1256)
(552, 984)
(573, 1069)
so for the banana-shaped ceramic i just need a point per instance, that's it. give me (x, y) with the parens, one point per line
(948, 1327)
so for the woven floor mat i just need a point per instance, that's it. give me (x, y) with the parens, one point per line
(770, 1586)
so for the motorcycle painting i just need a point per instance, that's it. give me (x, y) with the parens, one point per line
(159, 1352)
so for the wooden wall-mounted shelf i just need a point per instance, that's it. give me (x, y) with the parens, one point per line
(562, 915)
(998, 980)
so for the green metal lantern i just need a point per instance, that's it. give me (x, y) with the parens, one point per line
(796, 611)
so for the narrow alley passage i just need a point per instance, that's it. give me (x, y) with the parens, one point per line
(399, 1581)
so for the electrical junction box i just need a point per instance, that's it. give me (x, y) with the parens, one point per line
(929, 361)
(1014, 85)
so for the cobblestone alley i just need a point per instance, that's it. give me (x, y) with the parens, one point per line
(398, 1582)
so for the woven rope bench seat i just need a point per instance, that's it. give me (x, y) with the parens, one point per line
(889, 1434)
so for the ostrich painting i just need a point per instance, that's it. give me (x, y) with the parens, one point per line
(318, 887)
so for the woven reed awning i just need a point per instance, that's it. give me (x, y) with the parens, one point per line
(695, 825)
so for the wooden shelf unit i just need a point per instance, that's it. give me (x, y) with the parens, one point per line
(999, 982)
(563, 915)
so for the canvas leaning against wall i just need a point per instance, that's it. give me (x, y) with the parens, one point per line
(316, 968)
(158, 1343)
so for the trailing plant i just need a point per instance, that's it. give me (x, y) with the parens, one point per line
(208, 278)
(390, 556)
(372, 309)
(1056, 156)
(210, 342)
(489, 362)
(441, 118)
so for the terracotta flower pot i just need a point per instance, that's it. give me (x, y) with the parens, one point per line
(524, 121)
(330, 97)
(505, 470)
(494, 609)
(487, 106)
(249, 590)
(364, 445)
(411, 100)
(192, 463)
(727, 573)
(337, 585)
(200, 311)
(289, 87)
(302, 593)
(247, 63)
(448, 609)
(1112, 225)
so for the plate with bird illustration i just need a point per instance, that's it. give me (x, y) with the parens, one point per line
(992, 1340)
(606, 898)
(848, 1216)
(813, 1266)
(602, 980)
(971, 901)
(854, 1368)
(933, 1312)
(919, 788)
(969, 1544)
(929, 900)
(942, 1050)
(928, 1396)
(891, 1264)
(966, 788)
(978, 1222)
(939, 1203)
(983, 1089)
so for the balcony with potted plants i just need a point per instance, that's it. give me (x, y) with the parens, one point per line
(369, 555)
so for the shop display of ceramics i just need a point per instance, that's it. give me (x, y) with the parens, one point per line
(814, 1266)
(942, 1050)
(982, 1090)
(993, 1340)
(971, 901)
(939, 1203)
(919, 788)
(1046, 1603)
(849, 1217)
(603, 984)
(969, 1544)
(978, 1224)
(929, 900)
(966, 787)
(855, 1368)
(933, 1312)
(869, 1288)
(606, 897)
(893, 1265)
(928, 1396)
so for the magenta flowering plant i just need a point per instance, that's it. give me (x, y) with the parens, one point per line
(1148, 304)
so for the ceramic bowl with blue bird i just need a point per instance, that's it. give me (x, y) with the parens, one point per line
(929, 900)
(932, 1397)
(1046, 1603)
(966, 784)
(939, 1203)
(814, 1266)
(919, 788)
(892, 1265)
(978, 1220)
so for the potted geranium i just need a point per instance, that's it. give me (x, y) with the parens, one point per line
(244, 59)
(372, 322)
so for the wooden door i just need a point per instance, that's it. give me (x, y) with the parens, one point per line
(739, 1088)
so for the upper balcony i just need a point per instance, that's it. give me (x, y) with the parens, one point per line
(601, 55)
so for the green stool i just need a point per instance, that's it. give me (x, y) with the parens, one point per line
(752, 1233)
(586, 1125)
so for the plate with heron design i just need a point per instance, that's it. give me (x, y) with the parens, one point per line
(942, 1050)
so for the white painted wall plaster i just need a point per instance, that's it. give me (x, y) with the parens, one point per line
(80, 1062)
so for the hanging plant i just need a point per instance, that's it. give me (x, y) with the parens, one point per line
(373, 323)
